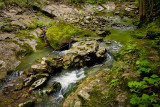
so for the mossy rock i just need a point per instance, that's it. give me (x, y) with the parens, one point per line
(27, 49)
(60, 34)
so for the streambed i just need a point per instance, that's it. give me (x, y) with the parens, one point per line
(67, 78)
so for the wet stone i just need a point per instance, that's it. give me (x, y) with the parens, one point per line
(41, 68)
(30, 80)
(38, 83)
(29, 103)
(55, 86)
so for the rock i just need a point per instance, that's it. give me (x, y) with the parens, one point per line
(18, 86)
(121, 99)
(29, 103)
(38, 83)
(55, 86)
(84, 53)
(3, 73)
(85, 89)
(103, 33)
(30, 80)
(45, 11)
(55, 63)
(88, 18)
(38, 76)
(41, 68)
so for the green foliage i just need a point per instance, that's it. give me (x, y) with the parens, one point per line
(137, 86)
(3, 23)
(60, 34)
(25, 3)
(39, 23)
(153, 30)
(87, 1)
(130, 48)
(139, 33)
(114, 83)
(145, 100)
(95, 10)
(153, 80)
(141, 88)
(136, 3)
(94, 1)
(142, 64)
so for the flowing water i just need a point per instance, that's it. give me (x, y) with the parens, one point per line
(69, 78)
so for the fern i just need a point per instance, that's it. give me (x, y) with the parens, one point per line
(145, 100)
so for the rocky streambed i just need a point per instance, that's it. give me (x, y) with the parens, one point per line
(56, 76)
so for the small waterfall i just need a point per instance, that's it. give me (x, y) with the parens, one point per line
(68, 78)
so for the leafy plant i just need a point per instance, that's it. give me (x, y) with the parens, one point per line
(114, 83)
(145, 100)
(136, 86)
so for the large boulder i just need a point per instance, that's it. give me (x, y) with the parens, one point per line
(84, 53)
(41, 68)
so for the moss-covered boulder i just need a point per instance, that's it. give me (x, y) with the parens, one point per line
(60, 34)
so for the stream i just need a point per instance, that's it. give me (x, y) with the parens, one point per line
(69, 79)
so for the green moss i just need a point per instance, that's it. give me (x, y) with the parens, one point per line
(26, 50)
(40, 44)
(24, 34)
(60, 34)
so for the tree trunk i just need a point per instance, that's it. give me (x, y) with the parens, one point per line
(142, 10)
